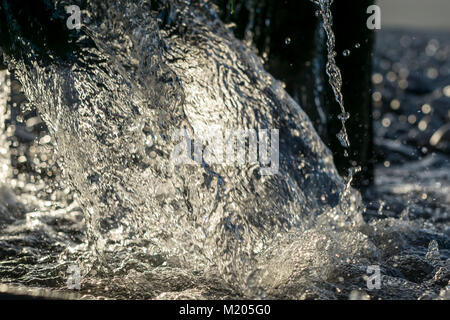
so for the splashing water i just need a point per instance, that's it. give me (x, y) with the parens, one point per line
(333, 71)
(159, 230)
(112, 124)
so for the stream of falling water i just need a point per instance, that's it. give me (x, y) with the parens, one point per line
(333, 71)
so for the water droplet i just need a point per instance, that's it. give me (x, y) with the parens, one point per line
(344, 116)
(357, 46)
(287, 41)
(381, 207)
(346, 53)
(343, 138)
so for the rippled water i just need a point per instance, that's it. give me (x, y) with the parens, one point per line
(140, 226)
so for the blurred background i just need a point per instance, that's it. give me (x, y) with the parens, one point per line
(419, 14)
